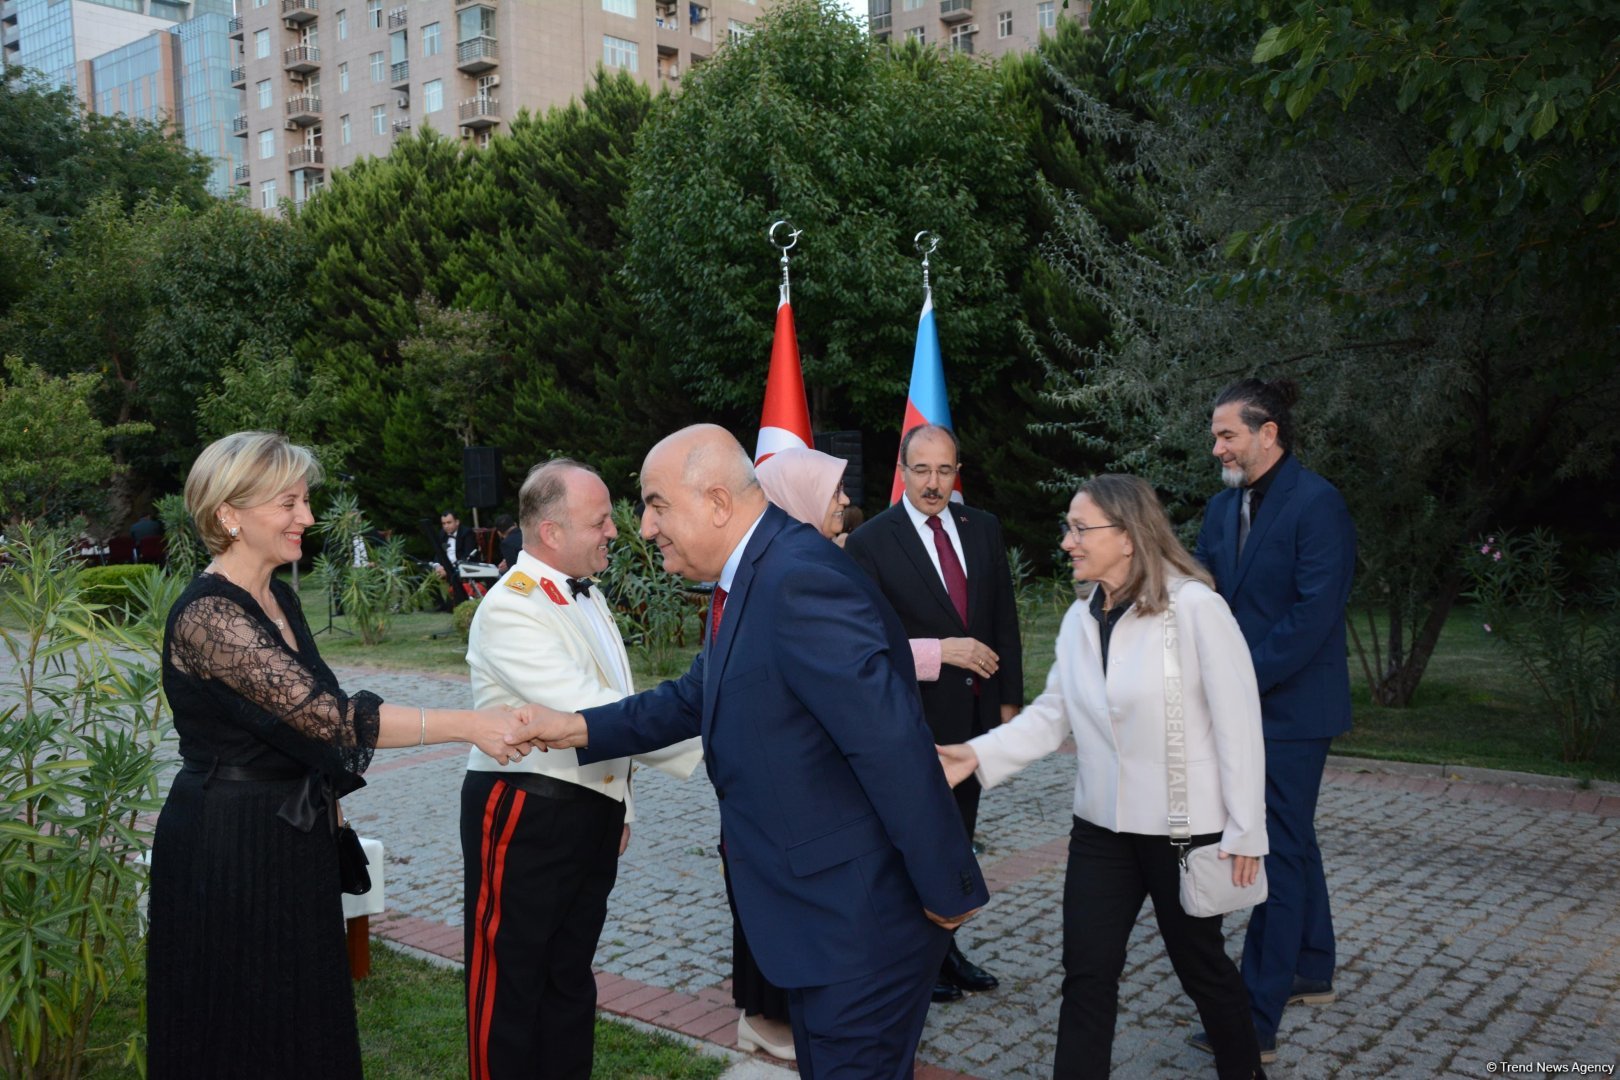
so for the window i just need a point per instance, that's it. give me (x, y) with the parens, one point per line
(433, 95)
(261, 44)
(1004, 25)
(263, 86)
(379, 67)
(374, 12)
(916, 34)
(736, 31)
(911, 5)
(379, 119)
(343, 77)
(260, 3)
(962, 38)
(346, 133)
(1046, 14)
(267, 144)
(626, 8)
(619, 53)
(474, 22)
(399, 49)
(431, 42)
(267, 195)
(343, 24)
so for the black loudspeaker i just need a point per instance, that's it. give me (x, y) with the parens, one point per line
(846, 445)
(481, 474)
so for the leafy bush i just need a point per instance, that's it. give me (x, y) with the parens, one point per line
(1566, 639)
(184, 552)
(377, 585)
(653, 607)
(117, 589)
(78, 770)
(462, 617)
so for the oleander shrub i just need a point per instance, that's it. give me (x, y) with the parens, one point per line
(654, 608)
(79, 739)
(117, 589)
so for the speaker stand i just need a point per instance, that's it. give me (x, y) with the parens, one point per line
(331, 606)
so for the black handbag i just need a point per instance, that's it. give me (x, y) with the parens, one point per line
(352, 861)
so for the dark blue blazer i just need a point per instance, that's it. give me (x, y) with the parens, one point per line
(839, 826)
(1288, 593)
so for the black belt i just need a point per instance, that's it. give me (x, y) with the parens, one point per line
(548, 787)
(213, 770)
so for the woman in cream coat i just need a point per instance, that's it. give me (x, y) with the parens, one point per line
(1106, 689)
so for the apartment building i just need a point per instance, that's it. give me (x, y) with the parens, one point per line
(989, 27)
(327, 82)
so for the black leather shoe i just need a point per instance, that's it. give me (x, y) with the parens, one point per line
(959, 971)
(944, 991)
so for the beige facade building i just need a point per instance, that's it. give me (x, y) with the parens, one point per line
(327, 82)
(989, 27)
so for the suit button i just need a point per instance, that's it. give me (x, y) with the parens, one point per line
(608, 779)
(968, 681)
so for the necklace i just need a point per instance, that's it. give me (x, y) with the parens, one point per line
(281, 624)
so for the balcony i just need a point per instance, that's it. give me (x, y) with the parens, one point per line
(239, 125)
(242, 174)
(880, 22)
(8, 11)
(299, 11)
(484, 3)
(398, 17)
(477, 54)
(399, 76)
(306, 157)
(301, 58)
(234, 28)
(954, 11)
(479, 112)
(402, 127)
(304, 109)
(239, 78)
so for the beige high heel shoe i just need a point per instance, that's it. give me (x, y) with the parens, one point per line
(750, 1037)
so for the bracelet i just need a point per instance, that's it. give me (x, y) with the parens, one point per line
(423, 740)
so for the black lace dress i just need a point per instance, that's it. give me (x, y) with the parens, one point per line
(247, 970)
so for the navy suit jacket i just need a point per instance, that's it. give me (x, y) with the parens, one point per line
(1288, 593)
(838, 823)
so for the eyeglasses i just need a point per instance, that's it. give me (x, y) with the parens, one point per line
(1066, 527)
(946, 473)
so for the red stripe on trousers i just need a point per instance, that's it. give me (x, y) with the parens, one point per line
(481, 1003)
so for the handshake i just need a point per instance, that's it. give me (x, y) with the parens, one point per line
(507, 734)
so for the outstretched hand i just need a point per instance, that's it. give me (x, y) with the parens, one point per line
(490, 728)
(537, 726)
(950, 922)
(959, 761)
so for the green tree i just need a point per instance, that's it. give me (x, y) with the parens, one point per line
(53, 449)
(1453, 345)
(56, 159)
(861, 147)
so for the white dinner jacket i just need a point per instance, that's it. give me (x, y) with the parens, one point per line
(528, 643)
(1118, 723)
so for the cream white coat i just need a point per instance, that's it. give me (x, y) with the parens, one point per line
(1118, 723)
(530, 648)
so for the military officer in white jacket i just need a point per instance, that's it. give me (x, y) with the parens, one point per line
(1107, 690)
(541, 836)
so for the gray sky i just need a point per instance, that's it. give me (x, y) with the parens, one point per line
(854, 7)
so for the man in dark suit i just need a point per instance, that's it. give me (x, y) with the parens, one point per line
(456, 545)
(848, 862)
(944, 568)
(1282, 547)
(511, 542)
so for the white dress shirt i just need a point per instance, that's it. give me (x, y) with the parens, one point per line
(919, 521)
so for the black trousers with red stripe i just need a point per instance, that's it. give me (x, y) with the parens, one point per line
(538, 874)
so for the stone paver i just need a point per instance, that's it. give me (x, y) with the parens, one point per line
(1477, 922)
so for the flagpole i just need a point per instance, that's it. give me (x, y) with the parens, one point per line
(793, 239)
(933, 245)
(784, 420)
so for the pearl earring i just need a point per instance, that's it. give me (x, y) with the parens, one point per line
(234, 531)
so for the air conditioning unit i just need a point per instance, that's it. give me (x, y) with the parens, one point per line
(492, 81)
(404, 101)
(675, 72)
(289, 125)
(291, 24)
(295, 76)
(971, 28)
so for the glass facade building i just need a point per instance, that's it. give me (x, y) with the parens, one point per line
(208, 103)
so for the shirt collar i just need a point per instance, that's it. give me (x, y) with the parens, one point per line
(919, 520)
(1263, 484)
(728, 573)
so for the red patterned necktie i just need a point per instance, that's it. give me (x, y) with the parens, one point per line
(717, 607)
(950, 568)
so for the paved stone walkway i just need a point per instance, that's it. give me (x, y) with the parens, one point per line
(1478, 922)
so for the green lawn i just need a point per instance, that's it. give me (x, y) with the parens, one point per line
(413, 1027)
(1472, 708)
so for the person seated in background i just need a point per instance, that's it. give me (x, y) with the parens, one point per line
(146, 525)
(511, 542)
(454, 547)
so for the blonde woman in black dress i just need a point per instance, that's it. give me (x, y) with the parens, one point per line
(247, 971)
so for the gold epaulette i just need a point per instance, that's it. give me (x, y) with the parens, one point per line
(519, 582)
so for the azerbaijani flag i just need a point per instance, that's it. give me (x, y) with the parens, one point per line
(925, 400)
(784, 422)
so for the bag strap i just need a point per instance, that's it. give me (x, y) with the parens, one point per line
(1175, 733)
